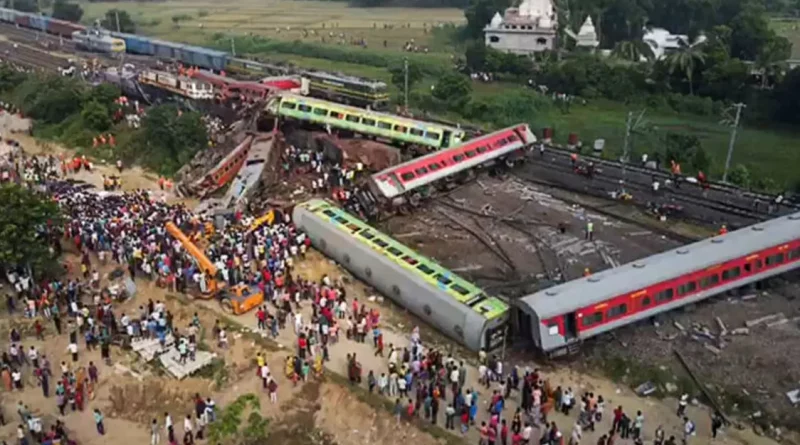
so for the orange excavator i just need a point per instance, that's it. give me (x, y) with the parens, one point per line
(236, 299)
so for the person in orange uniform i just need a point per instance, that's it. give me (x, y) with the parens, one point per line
(723, 230)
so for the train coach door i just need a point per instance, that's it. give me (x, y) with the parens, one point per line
(570, 326)
(446, 138)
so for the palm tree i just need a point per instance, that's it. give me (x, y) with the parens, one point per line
(685, 59)
(633, 50)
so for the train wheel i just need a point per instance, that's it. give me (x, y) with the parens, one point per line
(414, 200)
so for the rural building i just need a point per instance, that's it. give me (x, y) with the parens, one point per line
(662, 43)
(527, 29)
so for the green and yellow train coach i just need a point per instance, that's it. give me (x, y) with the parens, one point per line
(395, 129)
(448, 302)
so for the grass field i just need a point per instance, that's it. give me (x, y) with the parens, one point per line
(282, 19)
(767, 153)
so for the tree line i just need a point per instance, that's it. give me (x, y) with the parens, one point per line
(72, 113)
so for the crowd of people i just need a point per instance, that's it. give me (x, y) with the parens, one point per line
(129, 228)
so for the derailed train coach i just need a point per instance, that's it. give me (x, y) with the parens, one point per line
(561, 317)
(444, 300)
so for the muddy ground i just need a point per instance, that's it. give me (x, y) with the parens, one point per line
(469, 232)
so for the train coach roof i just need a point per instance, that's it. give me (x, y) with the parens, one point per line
(363, 112)
(640, 274)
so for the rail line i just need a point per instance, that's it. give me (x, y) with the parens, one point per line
(755, 198)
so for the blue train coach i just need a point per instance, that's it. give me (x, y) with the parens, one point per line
(203, 57)
(136, 44)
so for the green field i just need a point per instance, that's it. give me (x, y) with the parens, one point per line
(767, 153)
(282, 19)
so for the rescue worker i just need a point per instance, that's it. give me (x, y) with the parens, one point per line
(587, 272)
(574, 158)
(723, 230)
(589, 230)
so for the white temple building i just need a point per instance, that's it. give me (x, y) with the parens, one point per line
(527, 29)
(586, 36)
(662, 43)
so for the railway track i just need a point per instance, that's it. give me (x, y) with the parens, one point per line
(687, 199)
(760, 202)
(29, 57)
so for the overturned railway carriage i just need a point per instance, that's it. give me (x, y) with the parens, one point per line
(449, 303)
(423, 171)
(369, 123)
(564, 315)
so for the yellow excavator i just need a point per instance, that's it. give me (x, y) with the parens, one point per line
(235, 299)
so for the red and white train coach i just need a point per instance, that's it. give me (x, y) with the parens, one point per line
(416, 173)
(564, 315)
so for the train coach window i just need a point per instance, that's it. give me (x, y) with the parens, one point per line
(407, 176)
(686, 288)
(775, 259)
(748, 267)
(410, 260)
(379, 242)
(464, 291)
(289, 105)
(370, 122)
(416, 132)
(351, 118)
(353, 228)
(304, 108)
(443, 279)
(646, 301)
(593, 319)
(794, 254)
(458, 158)
(709, 281)
(367, 234)
(337, 115)
(513, 138)
(500, 142)
(470, 153)
(384, 125)
(483, 149)
(664, 295)
(425, 269)
(400, 128)
(731, 273)
(394, 251)
(616, 311)
(320, 111)
(433, 136)
(433, 167)
(421, 171)
(340, 220)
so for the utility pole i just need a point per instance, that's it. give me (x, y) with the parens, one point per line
(405, 81)
(233, 47)
(732, 142)
(116, 16)
(626, 149)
